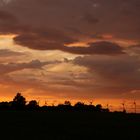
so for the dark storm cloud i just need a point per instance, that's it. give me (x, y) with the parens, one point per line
(9, 53)
(6, 17)
(43, 40)
(8, 23)
(104, 48)
(56, 40)
(12, 67)
(90, 19)
(49, 24)
(134, 50)
(123, 70)
(135, 46)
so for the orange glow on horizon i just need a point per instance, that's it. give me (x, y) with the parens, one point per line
(112, 104)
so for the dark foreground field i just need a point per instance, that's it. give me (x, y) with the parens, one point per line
(68, 126)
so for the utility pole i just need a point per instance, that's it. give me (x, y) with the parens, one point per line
(123, 105)
(91, 102)
(107, 106)
(135, 107)
(45, 103)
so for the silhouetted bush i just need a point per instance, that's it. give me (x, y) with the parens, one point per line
(32, 105)
(19, 103)
(65, 107)
(67, 103)
(5, 105)
(98, 107)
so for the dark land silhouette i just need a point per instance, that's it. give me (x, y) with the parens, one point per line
(27, 120)
(19, 103)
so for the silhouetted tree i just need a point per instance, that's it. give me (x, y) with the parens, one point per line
(65, 107)
(19, 102)
(79, 106)
(124, 110)
(67, 103)
(98, 107)
(32, 105)
(4, 105)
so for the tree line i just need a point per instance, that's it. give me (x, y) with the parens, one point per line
(19, 103)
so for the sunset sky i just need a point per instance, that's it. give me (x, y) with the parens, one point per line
(56, 50)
